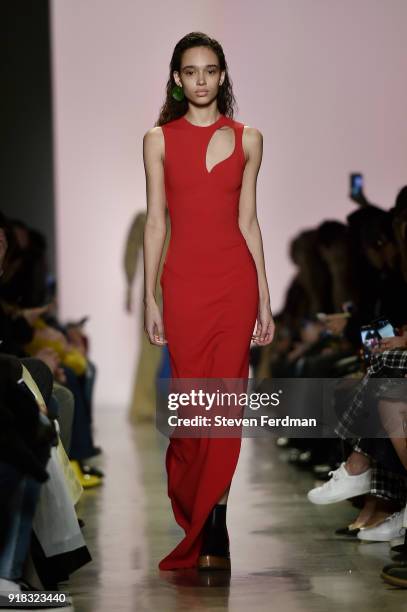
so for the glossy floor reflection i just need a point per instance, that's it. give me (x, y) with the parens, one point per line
(283, 550)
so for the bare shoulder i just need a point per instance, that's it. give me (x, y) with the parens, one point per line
(252, 141)
(252, 134)
(153, 140)
(153, 135)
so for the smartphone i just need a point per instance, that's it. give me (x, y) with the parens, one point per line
(356, 184)
(372, 334)
(385, 328)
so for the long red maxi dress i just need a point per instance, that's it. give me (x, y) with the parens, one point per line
(210, 305)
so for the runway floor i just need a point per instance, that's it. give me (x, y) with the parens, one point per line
(284, 553)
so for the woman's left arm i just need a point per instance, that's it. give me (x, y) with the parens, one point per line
(252, 141)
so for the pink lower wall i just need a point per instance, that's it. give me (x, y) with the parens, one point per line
(322, 80)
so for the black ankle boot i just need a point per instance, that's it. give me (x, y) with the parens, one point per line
(215, 545)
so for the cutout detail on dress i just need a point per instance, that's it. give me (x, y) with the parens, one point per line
(220, 147)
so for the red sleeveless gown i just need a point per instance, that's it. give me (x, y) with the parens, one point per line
(210, 304)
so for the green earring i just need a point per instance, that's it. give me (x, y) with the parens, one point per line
(177, 93)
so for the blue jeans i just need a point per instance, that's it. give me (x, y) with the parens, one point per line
(22, 493)
(81, 439)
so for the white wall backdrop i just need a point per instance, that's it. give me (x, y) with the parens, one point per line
(323, 81)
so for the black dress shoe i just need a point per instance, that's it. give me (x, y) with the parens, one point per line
(345, 531)
(214, 554)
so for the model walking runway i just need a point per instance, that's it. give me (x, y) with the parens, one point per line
(213, 281)
(210, 304)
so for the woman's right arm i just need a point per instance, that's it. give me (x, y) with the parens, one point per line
(154, 230)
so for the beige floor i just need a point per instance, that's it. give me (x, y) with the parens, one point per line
(284, 554)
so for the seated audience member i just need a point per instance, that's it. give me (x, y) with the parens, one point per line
(25, 332)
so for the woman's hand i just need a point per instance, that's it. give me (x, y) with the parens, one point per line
(387, 344)
(265, 327)
(153, 324)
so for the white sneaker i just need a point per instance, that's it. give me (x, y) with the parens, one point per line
(341, 486)
(391, 528)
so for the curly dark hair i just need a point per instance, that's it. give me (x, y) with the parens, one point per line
(173, 109)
